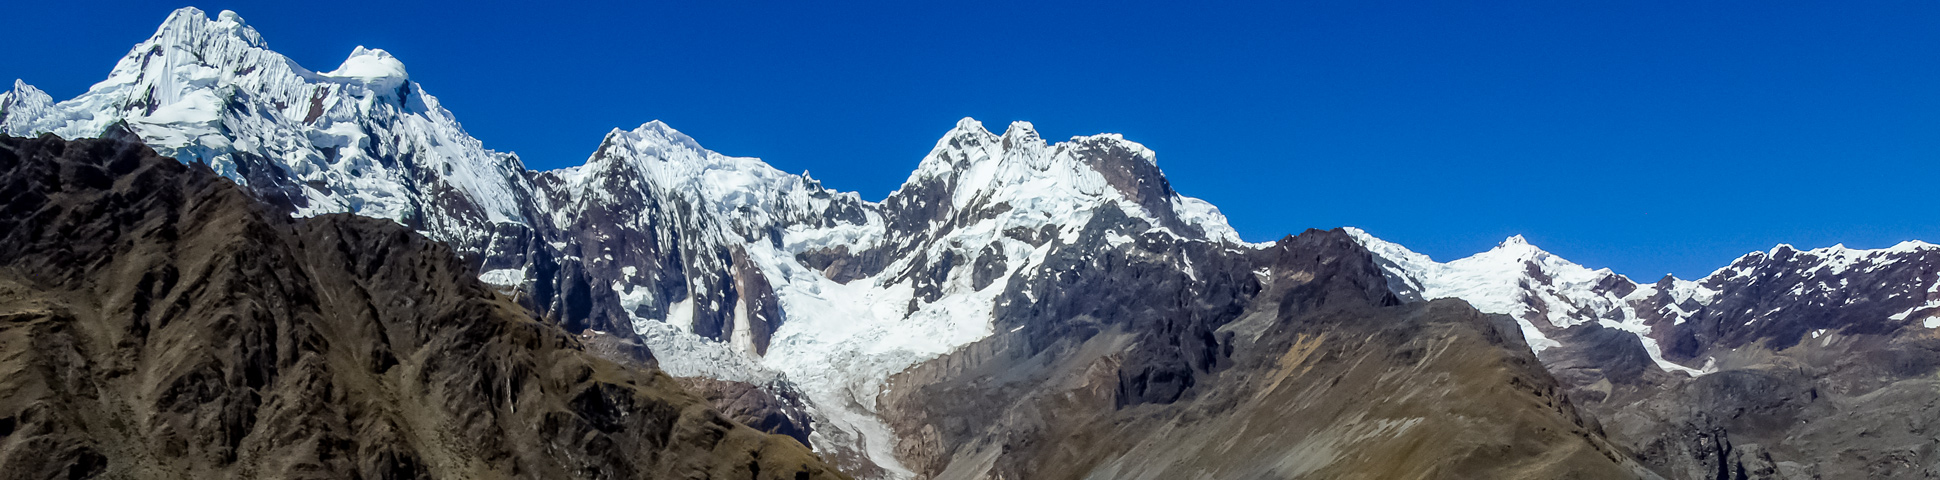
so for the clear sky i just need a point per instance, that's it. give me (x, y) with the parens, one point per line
(1645, 136)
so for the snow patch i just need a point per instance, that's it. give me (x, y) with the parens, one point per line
(504, 276)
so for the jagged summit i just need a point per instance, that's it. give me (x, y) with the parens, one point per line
(1022, 131)
(658, 133)
(188, 26)
(971, 169)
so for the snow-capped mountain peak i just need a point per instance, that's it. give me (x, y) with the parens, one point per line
(972, 171)
(969, 136)
(662, 136)
(190, 26)
(741, 191)
(1514, 249)
(376, 68)
(1022, 132)
(1542, 291)
(24, 100)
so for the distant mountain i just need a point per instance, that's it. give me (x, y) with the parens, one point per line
(1785, 364)
(1022, 308)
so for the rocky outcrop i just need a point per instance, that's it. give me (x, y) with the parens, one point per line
(158, 322)
(773, 408)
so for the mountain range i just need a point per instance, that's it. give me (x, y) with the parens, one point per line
(1026, 308)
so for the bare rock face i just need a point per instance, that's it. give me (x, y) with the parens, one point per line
(158, 322)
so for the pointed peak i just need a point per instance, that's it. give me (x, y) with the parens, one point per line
(1518, 246)
(967, 134)
(966, 128)
(655, 132)
(22, 90)
(22, 105)
(656, 126)
(967, 123)
(1020, 134)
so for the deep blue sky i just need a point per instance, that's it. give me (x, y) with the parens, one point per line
(1646, 136)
